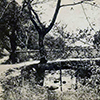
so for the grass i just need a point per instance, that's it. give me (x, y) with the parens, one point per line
(24, 87)
(27, 92)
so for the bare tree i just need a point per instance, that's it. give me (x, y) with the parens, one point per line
(41, 29)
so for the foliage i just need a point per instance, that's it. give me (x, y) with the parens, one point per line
(24, 87)
(15, 27)
(54, 43)
(97, 39)
(3, 4)
(8, 22)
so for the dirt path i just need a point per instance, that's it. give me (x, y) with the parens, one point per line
(5, 67)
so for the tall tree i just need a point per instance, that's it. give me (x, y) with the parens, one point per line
(3, 4)
(40, 27)
(10, 26)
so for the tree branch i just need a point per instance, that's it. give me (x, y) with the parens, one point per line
(57, 10)
(80, 2)
(37, 17)
(92, 4)
(31, 17)
(72, 4)
(54, 17)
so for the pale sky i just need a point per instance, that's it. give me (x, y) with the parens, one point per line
(73, 18)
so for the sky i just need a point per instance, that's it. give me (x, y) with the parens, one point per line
(74, 17)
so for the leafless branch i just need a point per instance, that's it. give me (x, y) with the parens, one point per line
(38, 3)
(32, 19)
(92, 4)
(76, 3)
(37, 17)
(87, 17)
(54, 17)
(65, 5)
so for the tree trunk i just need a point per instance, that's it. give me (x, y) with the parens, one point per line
(13, 55)
(41, 68)
(42, 50)
(39, 76)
